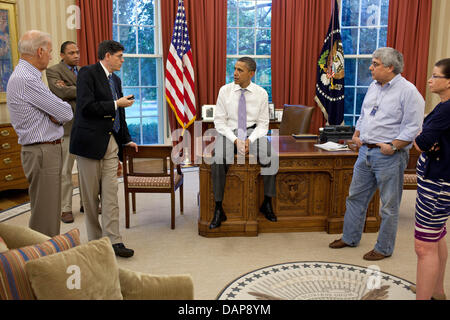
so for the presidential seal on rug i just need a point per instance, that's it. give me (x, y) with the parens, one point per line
(311, 280)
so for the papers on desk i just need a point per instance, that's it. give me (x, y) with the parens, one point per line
(332, 146)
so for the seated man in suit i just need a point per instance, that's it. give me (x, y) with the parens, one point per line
(242, 119)
(98, 135)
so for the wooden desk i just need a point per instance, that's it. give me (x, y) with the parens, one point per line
(312, 186)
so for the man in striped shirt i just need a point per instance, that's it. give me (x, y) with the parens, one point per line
(38, 116)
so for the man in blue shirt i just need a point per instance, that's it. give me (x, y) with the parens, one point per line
(391, 117)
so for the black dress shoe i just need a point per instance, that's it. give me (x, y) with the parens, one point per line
(121, 251)
(266, 209)
(219, 217)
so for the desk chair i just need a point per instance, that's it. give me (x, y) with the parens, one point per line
(296, 119)
(146, 171)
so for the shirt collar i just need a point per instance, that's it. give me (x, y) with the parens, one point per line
(393, 81)
(69, 67)
(249, 88)
(106, 70)
(32, 69)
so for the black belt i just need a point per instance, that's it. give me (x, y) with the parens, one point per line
(370, 145)
(58, 141)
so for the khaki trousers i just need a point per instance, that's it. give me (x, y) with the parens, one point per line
(42, 165)
(101, 176)
(68, 160)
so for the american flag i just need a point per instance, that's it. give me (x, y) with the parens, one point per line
(180, 92)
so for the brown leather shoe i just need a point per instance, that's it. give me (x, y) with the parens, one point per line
(67, 217)
(373, 256)
(338, 244)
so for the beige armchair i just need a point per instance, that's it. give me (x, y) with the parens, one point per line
(133, 285)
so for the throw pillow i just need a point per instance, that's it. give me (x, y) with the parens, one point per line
(14, 283)
(3, 246)
(89, 271)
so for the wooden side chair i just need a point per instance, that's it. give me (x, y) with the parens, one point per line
(410, 177)
(151, 170)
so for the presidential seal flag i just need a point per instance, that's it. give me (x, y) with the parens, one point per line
(180, 93)
(330, 73)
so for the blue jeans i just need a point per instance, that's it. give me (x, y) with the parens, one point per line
(374, 170)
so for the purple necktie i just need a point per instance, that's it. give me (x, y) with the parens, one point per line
(242, 117)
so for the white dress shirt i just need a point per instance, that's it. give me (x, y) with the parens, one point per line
(226, 113)
(398, 114)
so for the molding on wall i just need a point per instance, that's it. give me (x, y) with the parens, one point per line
(439, 43)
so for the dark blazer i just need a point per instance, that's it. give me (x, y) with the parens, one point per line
(436, 130)
(68, 93)
(94, 116)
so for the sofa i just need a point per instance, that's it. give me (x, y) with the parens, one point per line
(48, 270)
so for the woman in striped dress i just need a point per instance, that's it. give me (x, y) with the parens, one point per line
(433, 189)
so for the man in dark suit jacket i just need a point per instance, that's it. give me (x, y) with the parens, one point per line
(98, 134)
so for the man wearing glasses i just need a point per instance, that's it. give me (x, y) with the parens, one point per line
(391, 117)
(97, 138)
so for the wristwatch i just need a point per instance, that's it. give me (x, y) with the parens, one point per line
(394, 148)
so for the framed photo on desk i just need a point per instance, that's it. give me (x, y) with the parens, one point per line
(208, 111)
(9, 54)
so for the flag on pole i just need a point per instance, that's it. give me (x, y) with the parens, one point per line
(180, 93)
(330, 73)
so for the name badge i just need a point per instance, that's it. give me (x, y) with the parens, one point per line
(374, 110)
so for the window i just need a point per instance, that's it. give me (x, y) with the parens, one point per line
(363, 30)
(136, 25)
(249, 34)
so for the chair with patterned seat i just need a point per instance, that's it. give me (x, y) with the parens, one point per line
(151, 170)
(410, 176)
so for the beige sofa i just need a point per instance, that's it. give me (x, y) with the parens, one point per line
(133, 285)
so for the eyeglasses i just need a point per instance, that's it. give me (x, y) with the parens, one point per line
(438, 77)
(376, 64)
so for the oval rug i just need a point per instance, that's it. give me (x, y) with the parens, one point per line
(311, 280)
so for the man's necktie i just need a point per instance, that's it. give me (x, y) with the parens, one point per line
(242, 117)
(74, 70)
(116, 124)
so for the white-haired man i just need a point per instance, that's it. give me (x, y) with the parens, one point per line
(38, 116)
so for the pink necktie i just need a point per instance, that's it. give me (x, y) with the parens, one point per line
(242, 117)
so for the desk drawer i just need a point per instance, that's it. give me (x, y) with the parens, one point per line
(13, 179)
(10, 160)
(9, 145)
(7, 132)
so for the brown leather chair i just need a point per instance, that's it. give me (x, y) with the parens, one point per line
(296, 119)
(147, 171)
